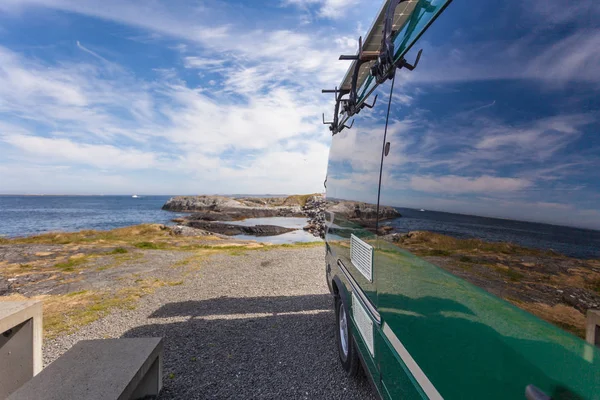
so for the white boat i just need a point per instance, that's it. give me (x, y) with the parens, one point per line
(135, 196)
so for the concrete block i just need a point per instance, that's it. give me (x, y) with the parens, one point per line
(592, 332)
(20, 344)
(108, 369)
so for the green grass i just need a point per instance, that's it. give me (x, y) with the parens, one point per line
(72, 294)
(434, 253)
(594, 284)
(118, 250)
(510, 273)
(71, 264)
(150, 245)
(514, 275)
(451, 245)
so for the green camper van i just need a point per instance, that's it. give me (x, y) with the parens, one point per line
(463, 201)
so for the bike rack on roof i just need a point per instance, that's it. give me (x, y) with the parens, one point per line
(383, 68)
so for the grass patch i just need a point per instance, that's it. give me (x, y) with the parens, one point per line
(514, 275)
(121, 259)
(236, 252)
(126, 235)
(434, 253)
(71, 263)
(299, 199)
(64, 314)
(424, 241)
(119, 250)
(298, 245)
(594, 284)
(73, 294)
(465, 259)
(561, 315)
(149, 245)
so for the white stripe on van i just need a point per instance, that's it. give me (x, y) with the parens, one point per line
(412, 365)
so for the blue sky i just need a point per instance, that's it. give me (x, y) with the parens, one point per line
(170, 97)
(501, 118)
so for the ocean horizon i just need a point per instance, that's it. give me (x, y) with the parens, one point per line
(27, 215)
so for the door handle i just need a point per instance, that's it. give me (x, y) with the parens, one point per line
(533, 393)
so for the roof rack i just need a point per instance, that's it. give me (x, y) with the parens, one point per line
(378, 57)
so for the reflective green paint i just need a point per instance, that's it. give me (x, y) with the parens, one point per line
(466, 341)
(469, 342)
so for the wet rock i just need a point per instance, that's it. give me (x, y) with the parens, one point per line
(231, 230)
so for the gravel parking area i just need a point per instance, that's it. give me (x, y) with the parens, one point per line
(255, 325)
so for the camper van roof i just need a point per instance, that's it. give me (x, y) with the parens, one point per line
(372, 41)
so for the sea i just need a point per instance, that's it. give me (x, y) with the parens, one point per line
(573, 242)
(31, 215)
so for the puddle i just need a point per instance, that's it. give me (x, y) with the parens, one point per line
(287, 222)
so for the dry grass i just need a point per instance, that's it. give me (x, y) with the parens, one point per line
(561, 315)
(66, 313)
(102, 250)
(298, 199)
(426, 243)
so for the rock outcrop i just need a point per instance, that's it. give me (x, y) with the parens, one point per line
(209, 211)
(314, 209)
(354, 210)
(220, 208)
(232, 230)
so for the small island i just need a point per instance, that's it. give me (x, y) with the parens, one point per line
(212, 213)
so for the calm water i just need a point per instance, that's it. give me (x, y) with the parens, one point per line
(29, 215)
(287, 222)
(582, 243)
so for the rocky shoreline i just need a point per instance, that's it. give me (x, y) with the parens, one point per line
(211, 213)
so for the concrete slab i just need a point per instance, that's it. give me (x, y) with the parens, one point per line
(100, 369)
(20, 343)
(592, 333)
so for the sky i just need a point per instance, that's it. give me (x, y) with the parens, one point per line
(182, 97)
(501, 118)
(170, 97)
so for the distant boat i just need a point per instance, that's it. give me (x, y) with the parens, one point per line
(421, 209)
(135, 196)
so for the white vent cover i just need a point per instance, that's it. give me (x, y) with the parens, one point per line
(363, 323)
(361, 255)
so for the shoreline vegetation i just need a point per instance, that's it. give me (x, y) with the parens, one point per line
(552, 286)
(82, 275)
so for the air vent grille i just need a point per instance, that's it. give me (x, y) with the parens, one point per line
(361, 255)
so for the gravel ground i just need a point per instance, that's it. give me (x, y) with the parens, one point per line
(257, 325)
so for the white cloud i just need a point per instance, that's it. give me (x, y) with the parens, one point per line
(96, 155)
(333, 9)
(202, 62)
